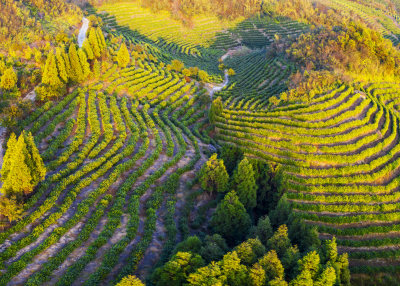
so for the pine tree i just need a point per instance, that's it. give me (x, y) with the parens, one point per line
(245, 184)
(88, 50)
(61, 65)
(50, 73)
(76, 68)
(94, 43)
(19, 178)
(3, 66)
(331, 250)
(310, 262)
(264, 230)
(272, 266)
(10, 208)
(215, 110)
(327, 277)
(175, 271)
(8, 79)
(250, 251)
(96, 68)
(100, 38)
(213, 175)
(303, 279)
(35, 162)
(67, 64)
(231, 219)
(84, 64)
(123, 57)
(130, 280)
(8, 156)
(280, 241)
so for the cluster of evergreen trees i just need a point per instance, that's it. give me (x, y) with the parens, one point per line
(253, 263)
(22, 170)
(64, 67)
(279, 249)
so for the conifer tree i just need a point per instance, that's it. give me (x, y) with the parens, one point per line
(19, 178)
(3, 66)
(8, 79)
(130, 280)
(76, 68)
(35, 162)
(50, 73)
(327, 277)
(175, 271)
(303, 279)
(101, 40)
(88, 50)
(61, 65)
(231, 219)
(96, 68)
(272, 266)
(8, 156)
(10, 208)
(67, 64)
(245, 184)
(263, 231)
(213, 175)
(215, 109)
(280, 241)
(94, 43)
(310, 262)
(84, 64)
(123, 57)
(331, 250)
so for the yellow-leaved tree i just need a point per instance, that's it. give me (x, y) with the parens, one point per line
(23, 168)
(123, 57)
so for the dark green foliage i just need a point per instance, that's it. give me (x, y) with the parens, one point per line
(303, 235)
(244, 183)
(231, 219)
(191, 244)
(214, 248)
(213, 176)
(250, 251)
(281, 213)
(263, 231)
(215, 110)
(176, 271)
(232, 155)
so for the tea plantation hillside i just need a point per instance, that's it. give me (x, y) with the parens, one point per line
(201, 143)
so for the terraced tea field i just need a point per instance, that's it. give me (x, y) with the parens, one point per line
(123, 149)
(117, 171)
(204, 42)
(340, 153)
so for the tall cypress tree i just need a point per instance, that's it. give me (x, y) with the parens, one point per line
(34, 162)
(50, 73)
(19, 178)
(61, 65)
(8, 156)
(245, 184)
(67, 64)
(76, 68)
(94, 43)
(9, 79)
(101, 40)
(213, 175)
(88, 50)
(84, 65)
(123, 56)
(231, 219)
